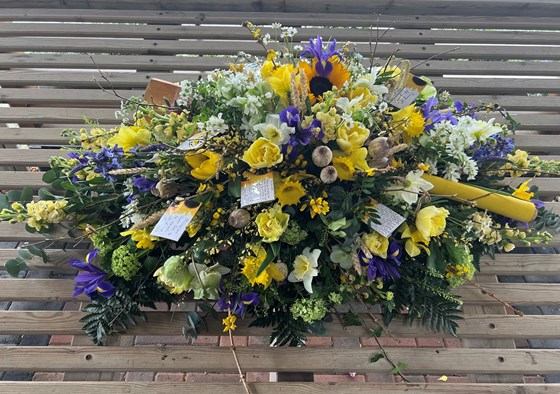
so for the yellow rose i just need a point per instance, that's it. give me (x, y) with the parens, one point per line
(367, 97)
(350, 139)
(204, 165)
(376, 243)
(272, 223)
(262, 154)
(430, 221)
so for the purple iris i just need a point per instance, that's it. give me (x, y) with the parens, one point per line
(301, 136)
(323, 67)
(496, 147)
(383, 268)
(102, 162)
(538, 203)
(434, 116)
(91, 280)
(143, 184)
(238, 303)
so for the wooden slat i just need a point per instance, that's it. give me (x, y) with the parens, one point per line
(264, 359)
(521, 264)
(400, 20)
(66, 97)
(207, 63)
(57, 259)
(138, 80)
(170, 32)
(202, 47)
(58, 115)
(171, 324)
(514, 293)
(8, 387)
(539, 8)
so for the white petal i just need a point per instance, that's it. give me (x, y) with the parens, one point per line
(292, 277)
(307, 283)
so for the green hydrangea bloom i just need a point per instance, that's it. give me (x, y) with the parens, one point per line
(124, 262)
(309, 310)
(293, 234)
(462, 268)
(336, 298)
(102, 242)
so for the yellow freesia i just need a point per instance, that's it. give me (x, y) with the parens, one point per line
(204, 165)
(130, 136)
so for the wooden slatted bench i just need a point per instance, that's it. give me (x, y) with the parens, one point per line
(507, 52)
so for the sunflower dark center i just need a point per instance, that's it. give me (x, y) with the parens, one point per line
(320, 85)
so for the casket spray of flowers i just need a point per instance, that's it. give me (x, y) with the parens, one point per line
(284, 187)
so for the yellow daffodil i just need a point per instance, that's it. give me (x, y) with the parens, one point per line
(204, 165)
(431, 221)
(272, 223)
(130, 136)
(262, 154)
(413, 245)
(523, 191)
(288, 191)
(142, 238)
(408, 120)
(376, 243)
(280, 79)
(252, 263)
(346, 164)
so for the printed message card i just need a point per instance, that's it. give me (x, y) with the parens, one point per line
(175, 220)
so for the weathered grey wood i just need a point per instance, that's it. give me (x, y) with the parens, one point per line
(270, 388)
(172, 32)
(170, 324)
(453, 21)
(406, 7)
(202, 47)
(264, 359)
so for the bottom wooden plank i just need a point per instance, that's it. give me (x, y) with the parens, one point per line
(269, 388)
(317, 360)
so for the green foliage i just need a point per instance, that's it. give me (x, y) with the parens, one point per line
(286, 329)
(15, 266)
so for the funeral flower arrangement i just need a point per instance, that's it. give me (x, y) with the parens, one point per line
(284, 187)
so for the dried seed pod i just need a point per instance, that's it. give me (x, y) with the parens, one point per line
(239, 218)
(329, 174)
(379, 147)
(322, 156)
(379, 163)
(165, 189)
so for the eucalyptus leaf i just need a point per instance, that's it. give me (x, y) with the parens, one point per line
(26, 195)
(25, 254)
(14, 195)
(15, 266)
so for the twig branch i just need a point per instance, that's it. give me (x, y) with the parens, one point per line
(241, 374)
(494, 296)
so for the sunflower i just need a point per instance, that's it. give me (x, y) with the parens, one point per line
(323, 75)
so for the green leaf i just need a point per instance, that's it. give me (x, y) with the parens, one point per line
(234, 188)
(45, 194)
(207, 308)
(15, 266)
(50, 176)
(376, 332)
(35, 251)
(24, 254)
(376, 357)
(4, 203)
(399, 367)
(26, 194)
(14, 195)
(270, 255)
(30, 229)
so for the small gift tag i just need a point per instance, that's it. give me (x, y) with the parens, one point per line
(197, 140)
(405, 96)
(257, 189)
(158, 90)
(389, 220)
(175, 220)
